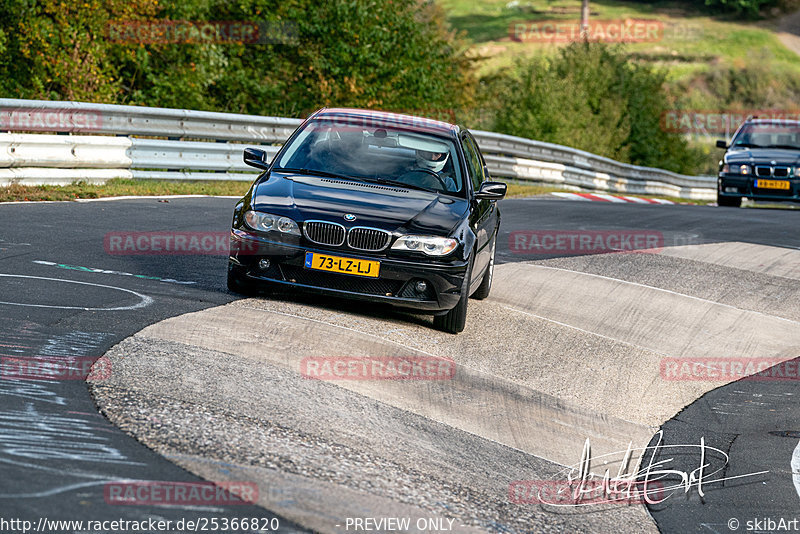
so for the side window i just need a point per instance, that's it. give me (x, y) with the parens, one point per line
(474, 165)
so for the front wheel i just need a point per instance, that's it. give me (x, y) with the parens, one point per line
(729, 202)
(454, 321)
(239, 285)
(486, 284)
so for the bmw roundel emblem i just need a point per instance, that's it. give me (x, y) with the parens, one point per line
(349, 217)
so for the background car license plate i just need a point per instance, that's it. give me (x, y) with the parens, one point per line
(337, 264)
(772, 184)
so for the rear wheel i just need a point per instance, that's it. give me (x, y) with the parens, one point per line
(486, 284)
(729, 202)
(455, 320)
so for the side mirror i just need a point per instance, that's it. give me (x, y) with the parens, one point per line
(722, 144)
(256, 158)
(491, 191)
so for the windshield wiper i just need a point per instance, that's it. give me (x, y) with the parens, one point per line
(747, 145)
(315, 172)
(386, 181)
(787, 147)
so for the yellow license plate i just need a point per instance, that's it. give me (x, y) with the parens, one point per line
(337, 264)
(772, 184)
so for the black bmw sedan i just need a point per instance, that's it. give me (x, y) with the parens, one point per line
(761, 163)
(371, 205)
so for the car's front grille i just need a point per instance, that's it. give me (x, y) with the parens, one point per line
(766, 170)
(372, 239)
(324, 233)
(342, 282)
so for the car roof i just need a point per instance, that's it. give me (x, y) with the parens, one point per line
(388, 118)
(776, 120)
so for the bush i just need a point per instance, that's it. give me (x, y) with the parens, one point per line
(590, 97)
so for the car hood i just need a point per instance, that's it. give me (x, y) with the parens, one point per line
(764, 155)
(388, 207)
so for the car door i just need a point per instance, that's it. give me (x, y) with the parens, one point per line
(481, 216)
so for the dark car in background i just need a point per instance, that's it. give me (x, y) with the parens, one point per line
(762, 162)
(371, 205)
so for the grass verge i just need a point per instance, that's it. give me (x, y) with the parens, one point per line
(122, 187)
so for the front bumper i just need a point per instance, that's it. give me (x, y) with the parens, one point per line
(738, 185)
(394, 286)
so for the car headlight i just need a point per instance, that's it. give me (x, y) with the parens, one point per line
(428, 244)
(726, 168)
(797, 172)
(267, 222)
(744, 169)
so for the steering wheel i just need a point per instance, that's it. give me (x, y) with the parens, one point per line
(432, 173)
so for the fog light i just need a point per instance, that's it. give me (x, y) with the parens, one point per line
(421, 286)
(263, 264)
(731, 189)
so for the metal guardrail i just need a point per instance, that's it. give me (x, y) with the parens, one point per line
(90, 153)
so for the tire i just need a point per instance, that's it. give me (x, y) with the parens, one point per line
(238, 285)
(454, 321)
(486, 284)
(729, 202)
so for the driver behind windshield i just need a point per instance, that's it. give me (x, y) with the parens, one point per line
(436, 162)
(426, 164)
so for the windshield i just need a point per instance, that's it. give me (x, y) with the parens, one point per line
(384, 154)
(768, 135)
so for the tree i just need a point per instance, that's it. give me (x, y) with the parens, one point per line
(585, 19)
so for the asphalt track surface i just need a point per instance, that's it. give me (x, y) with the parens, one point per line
(578, 340)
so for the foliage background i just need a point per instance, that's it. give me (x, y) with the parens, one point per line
(404, 55)
(385, 54)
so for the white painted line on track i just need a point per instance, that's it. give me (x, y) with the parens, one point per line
(144, 299)
(34, 202)
(106, 199)
(141, 197)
